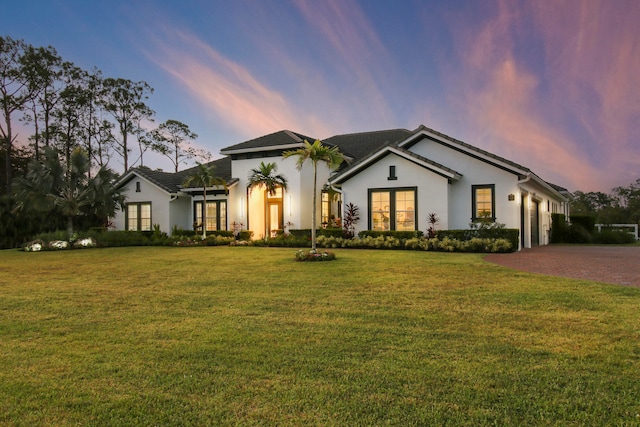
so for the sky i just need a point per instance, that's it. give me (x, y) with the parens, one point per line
(553, 85)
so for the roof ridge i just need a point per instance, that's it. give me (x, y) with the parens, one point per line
(370, 132)
(292, 135)
(471, 147)
(424, 159)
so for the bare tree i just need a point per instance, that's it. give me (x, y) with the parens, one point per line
(125, 101)
(172, 139)
(18, 86)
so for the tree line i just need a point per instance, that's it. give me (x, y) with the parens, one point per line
(65, 107)
(79, 124)
(620, 206)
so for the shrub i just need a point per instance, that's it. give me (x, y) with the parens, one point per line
(304, 255)
(285, 241)
(447, 244)
(578, 234)
(86, 242)
(395, 234)
(34, 246)
(219, 239)
(512, 235)
(588, 222)
(613, 237)
(559, 228)
(244, 235)
(300, 233)
(56, 245)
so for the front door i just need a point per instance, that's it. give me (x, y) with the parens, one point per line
(273, 214)
(274, 217)
(535, 227)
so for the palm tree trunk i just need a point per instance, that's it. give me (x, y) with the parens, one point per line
(313, 213)
(204, 213)
(69, 227)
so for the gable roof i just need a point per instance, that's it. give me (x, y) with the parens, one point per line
(171, 182)
(400, 140)
(357, 146)
(422, 131)
(284, 139)
(385, 150)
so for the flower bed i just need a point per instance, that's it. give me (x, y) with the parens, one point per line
(305, 255)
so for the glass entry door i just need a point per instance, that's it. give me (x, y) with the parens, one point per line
(274, 217)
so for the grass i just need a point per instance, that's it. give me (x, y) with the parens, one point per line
(248, 336)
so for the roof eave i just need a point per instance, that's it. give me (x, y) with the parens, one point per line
(264, 148)
(468, 149)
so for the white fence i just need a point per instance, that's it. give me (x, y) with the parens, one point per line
(621, 227)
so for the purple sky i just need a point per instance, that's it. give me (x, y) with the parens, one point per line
(553, 85)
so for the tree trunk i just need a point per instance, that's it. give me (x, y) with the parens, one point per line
(69, 227)
(313, 213)
(8, 153)
(204, 213)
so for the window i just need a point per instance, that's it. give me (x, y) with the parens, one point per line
(393, 209)
(405, 213)
(483, 202)
(392, 173)
(137, 186)
(331, 208)
(138, 217)
(216, 215)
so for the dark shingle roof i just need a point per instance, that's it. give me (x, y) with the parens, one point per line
(171, 182)
(360, 145)
(472, 148)
(283, 137)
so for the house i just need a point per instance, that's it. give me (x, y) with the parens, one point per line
(396, 177)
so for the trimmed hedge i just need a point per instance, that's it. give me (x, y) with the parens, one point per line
(395, 234)
(582, 230)
(510, 234)
(588, 222)
(447, 244)
(306, 232)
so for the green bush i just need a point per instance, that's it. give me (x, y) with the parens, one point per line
(394, 234)
(330, 232)
(588, 222)
(446, 244)
(219, 239)
(559, 228)
(244, 235)
(312, 256)
(284, 241)
(512, 235)
(578, 234)
(613, 237)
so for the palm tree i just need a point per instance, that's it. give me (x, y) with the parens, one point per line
(316, 152)
(265, 175)
(204, 177)
(50, 186)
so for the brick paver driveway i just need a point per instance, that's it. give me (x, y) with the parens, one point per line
(610, 264)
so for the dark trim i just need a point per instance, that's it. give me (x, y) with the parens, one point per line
(474, 216)
(392, 205)
(470, 154)
(139, 209)
(392, 173)
(367, 163)
(260, 154)
(219, 219)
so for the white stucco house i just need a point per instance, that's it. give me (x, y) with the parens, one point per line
(395, 177)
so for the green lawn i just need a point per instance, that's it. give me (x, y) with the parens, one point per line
(247, 336)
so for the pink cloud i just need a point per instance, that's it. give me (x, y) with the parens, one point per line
(227, 89)
(355, 49)
(528, 112)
